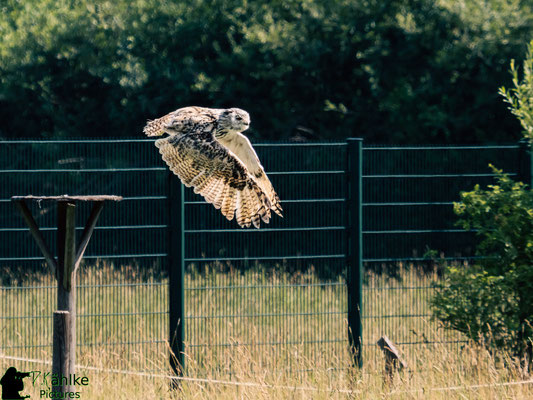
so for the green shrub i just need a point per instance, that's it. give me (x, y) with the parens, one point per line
(492, 302)
(520, 97)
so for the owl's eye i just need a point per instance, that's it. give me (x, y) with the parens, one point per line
(238, 118)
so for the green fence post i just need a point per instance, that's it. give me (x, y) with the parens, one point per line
(354, 245)
(176, 266)
(525, 163)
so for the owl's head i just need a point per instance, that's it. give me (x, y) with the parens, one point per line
(234, 119)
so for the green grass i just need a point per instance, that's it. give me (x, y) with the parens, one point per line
(261, 326)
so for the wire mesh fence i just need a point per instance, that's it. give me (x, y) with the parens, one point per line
(408, 197)
(268, 291)
(122, 304)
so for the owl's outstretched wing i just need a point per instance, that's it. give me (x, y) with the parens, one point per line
(215, 173)
(241, 147)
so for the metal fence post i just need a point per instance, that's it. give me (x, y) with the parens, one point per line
(525, 163)
(354, 244)
(176, 266)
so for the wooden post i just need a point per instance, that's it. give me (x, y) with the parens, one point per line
(393, 360)
(66, 278)
(63, 350)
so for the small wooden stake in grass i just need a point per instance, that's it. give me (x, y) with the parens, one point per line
(393, 360)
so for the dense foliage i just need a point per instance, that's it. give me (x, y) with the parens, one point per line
(387, 70)
(520, 97)
(492, 301)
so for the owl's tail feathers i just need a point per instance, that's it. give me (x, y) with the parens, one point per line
(154, 128)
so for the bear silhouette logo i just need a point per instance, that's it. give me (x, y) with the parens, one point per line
(12, 384)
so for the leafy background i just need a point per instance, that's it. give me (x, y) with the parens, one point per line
(391, 71)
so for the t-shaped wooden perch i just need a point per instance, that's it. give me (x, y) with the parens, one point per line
(66, 218)
(64, 268)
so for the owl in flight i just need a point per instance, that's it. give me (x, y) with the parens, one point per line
(207, 151)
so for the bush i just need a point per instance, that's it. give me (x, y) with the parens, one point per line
(492, 302)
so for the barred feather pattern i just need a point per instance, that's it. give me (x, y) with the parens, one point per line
(184, 120)
(225, 178)
(207, 152)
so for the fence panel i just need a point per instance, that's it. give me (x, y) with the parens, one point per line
(408, 195)
(276, 288)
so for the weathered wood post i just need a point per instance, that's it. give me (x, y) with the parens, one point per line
(62, 341)
(393, 360)
(66, 276)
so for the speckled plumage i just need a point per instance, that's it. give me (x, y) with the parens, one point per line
(207, 151)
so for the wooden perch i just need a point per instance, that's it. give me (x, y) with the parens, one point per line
(64, 269)
(20, 202)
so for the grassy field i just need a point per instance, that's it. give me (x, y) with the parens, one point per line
(278, 335)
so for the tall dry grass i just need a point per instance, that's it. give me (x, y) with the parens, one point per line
(434, 372)
(257, 370)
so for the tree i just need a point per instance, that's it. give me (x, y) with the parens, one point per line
(391, 71)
